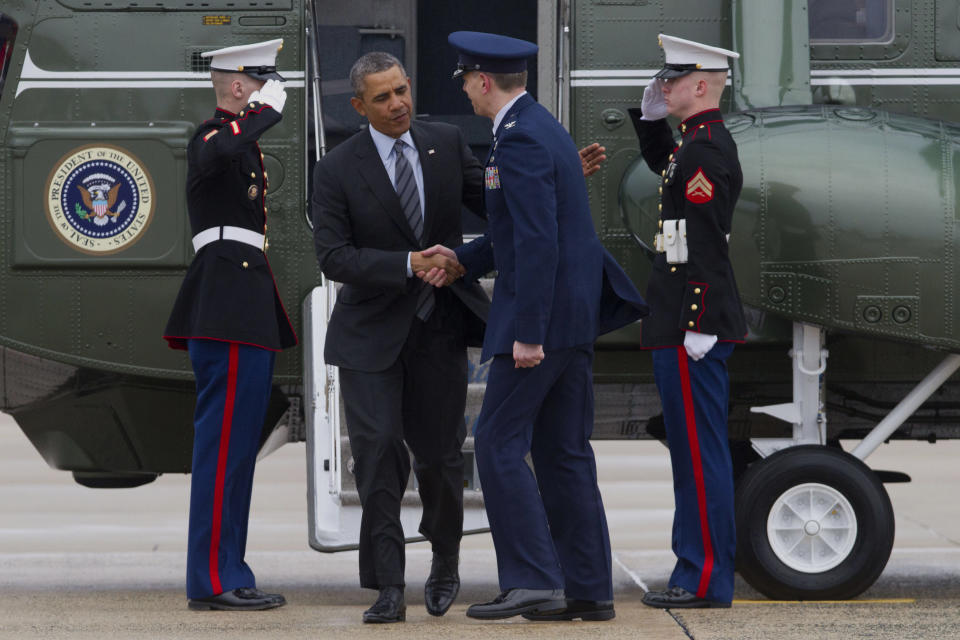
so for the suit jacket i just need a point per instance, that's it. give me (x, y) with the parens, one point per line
(701, 183)
(229, 292)
(556, 285)
(362, 239)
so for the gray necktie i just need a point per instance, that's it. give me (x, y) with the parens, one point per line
(406, 187)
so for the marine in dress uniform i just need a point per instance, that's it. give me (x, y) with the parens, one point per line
(696, 314)
(556, 290)
(230, 318)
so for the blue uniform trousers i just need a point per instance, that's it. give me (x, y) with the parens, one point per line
(549, 530)
(694, 395)
(233, 389)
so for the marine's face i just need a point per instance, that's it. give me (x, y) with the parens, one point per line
(386, 102)
(678, 93)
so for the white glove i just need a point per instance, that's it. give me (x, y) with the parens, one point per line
(698, 344)
(653, 106)
(272, 93)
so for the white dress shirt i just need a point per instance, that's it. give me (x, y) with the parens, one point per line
(385, 147)
(503, 112)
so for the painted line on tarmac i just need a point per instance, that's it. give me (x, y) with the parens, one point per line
(870, 601)
(633, 574)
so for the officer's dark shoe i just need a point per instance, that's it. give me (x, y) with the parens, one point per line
(680, 598)
(242, 599)
(389, 607)
(442, 585)
(583, 609)
(513, 602)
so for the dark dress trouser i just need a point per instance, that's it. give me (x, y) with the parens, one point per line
(694, 395)
(233, 391)
(419, 399)
(549, 530)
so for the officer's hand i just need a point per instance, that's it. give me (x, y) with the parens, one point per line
(437, 265)
(698, 344)
(526, 355)
(653, 106)
(273, 93)
(591, 157)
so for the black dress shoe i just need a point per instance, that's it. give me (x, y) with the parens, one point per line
(242, 599)
(389, 607)
(442, 585)
(583, 609)
(680, 598)
(513, 602)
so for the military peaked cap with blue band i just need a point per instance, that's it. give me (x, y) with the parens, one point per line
(258, 60)
(686, 56)
(490, 52)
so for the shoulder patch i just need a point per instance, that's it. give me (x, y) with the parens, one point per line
(211, 134)
(235, 127)
(699, 188)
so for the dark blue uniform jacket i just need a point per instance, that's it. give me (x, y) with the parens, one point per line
(556, 284)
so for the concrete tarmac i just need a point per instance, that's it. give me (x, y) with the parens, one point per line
(82, 563)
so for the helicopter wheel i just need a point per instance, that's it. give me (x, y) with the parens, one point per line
(813, 523)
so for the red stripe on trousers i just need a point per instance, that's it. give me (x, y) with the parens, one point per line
(697, 472)
(222, 467)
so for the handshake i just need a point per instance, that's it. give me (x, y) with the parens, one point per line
(437, 265)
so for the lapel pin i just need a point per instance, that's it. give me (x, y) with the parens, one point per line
(430, 152)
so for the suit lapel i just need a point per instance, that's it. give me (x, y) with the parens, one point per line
(375, 175)
(426, 149)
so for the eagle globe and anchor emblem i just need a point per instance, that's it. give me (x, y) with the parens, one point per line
(99, 199)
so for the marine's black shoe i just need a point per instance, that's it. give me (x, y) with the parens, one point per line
(680, 598)
(513, 602)
(442, 585)
(583, 609)
(242, 599)
(389, 607)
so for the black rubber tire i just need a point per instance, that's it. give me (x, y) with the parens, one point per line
(768, 479)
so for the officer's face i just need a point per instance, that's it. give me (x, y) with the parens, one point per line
(386, 102)
(472, 87)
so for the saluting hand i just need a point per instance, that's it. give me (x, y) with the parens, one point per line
(273, 93)
(653, 106)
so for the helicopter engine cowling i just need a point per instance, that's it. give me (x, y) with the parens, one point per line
(847, 219)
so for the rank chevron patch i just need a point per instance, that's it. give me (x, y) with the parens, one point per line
(699, 189)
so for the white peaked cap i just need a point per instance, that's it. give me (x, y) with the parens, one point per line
(258, 59)
(685, 56)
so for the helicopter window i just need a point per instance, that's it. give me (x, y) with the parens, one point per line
(851, 21)
(8, 29)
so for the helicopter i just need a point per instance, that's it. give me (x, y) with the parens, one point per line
(844, 242)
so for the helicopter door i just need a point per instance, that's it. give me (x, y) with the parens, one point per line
(333, 501)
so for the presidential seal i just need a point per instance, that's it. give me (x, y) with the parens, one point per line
(99, 199)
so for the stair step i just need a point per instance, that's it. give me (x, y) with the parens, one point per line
(471, 499)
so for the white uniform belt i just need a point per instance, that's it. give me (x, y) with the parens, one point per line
(239, 234)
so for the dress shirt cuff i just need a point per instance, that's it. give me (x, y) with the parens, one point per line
(409, 269)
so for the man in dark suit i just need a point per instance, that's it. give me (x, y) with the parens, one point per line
(556, 290)
(378, 199)
(229, 315)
